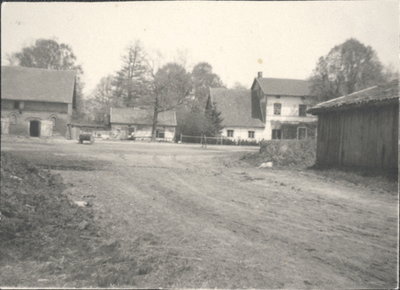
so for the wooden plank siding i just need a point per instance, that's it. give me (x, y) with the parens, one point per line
(362, 137)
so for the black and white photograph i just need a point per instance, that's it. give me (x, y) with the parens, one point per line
(200, 145)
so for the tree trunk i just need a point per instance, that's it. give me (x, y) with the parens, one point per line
(155, 119)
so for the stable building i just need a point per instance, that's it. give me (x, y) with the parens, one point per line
(360, 129)
(36, 102)
(136, 123)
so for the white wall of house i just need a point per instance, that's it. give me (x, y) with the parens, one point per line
(289, 113)
(242, 133)
(141, 132)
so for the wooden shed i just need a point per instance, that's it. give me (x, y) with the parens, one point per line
(360, 129)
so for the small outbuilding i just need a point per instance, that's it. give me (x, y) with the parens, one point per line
(360, 129)
(136, 124)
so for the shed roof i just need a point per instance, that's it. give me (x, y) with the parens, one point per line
(283, 87)
(377, 95)
(35, 84)
(235, 107)
(141, 116)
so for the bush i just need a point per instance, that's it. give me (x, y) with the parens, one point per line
(289, 152)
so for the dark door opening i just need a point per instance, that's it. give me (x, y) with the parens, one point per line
(34, 128)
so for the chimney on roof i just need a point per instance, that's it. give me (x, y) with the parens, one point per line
(259, 75)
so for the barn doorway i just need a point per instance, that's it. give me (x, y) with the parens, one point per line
(34, 128)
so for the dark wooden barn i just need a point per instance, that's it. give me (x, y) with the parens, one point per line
(360, 129)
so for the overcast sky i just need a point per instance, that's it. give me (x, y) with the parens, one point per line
(282, 39)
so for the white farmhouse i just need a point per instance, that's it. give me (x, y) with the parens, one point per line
(235, 108)
(272, 109)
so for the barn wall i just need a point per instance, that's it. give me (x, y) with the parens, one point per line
(31, 110)
(362, 138)
(19, 121)
(36, 106)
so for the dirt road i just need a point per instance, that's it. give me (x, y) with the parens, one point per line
(198, 218)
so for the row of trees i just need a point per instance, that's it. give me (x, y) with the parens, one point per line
(142, 82)
(49, 54)
(347, 68)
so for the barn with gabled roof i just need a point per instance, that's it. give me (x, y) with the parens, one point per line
(36, 102)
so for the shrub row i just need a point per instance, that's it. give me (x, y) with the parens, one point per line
(289, 152)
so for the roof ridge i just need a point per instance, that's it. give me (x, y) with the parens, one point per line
(292, 79)
(363, 90)
(38, 68)
(344, 96)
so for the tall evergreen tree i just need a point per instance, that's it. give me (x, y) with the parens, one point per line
(213, 121)
(132, 81)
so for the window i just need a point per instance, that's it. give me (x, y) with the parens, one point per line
(160, 133)
(251, 134)
(277, 108)
(16, 104)
(276, 134)
(230, 133)
(301, 133)
(302, 110)
(13, 119)
(53, 119)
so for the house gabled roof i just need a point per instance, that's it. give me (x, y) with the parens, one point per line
(141, 116)
(373, 96)
(34, 84)
(235, 107)
(283, 87)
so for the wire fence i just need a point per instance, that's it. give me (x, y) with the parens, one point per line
(220, 140)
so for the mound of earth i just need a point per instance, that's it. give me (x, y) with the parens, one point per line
(46, 239)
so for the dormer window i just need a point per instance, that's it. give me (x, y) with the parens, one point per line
(277, 108)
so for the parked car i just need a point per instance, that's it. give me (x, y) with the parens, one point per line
(86, 135)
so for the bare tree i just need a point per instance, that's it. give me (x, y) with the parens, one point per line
(101, 100)
(203, 79)
(239, 86)
(171, 86)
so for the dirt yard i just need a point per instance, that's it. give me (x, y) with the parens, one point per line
(193, 217)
